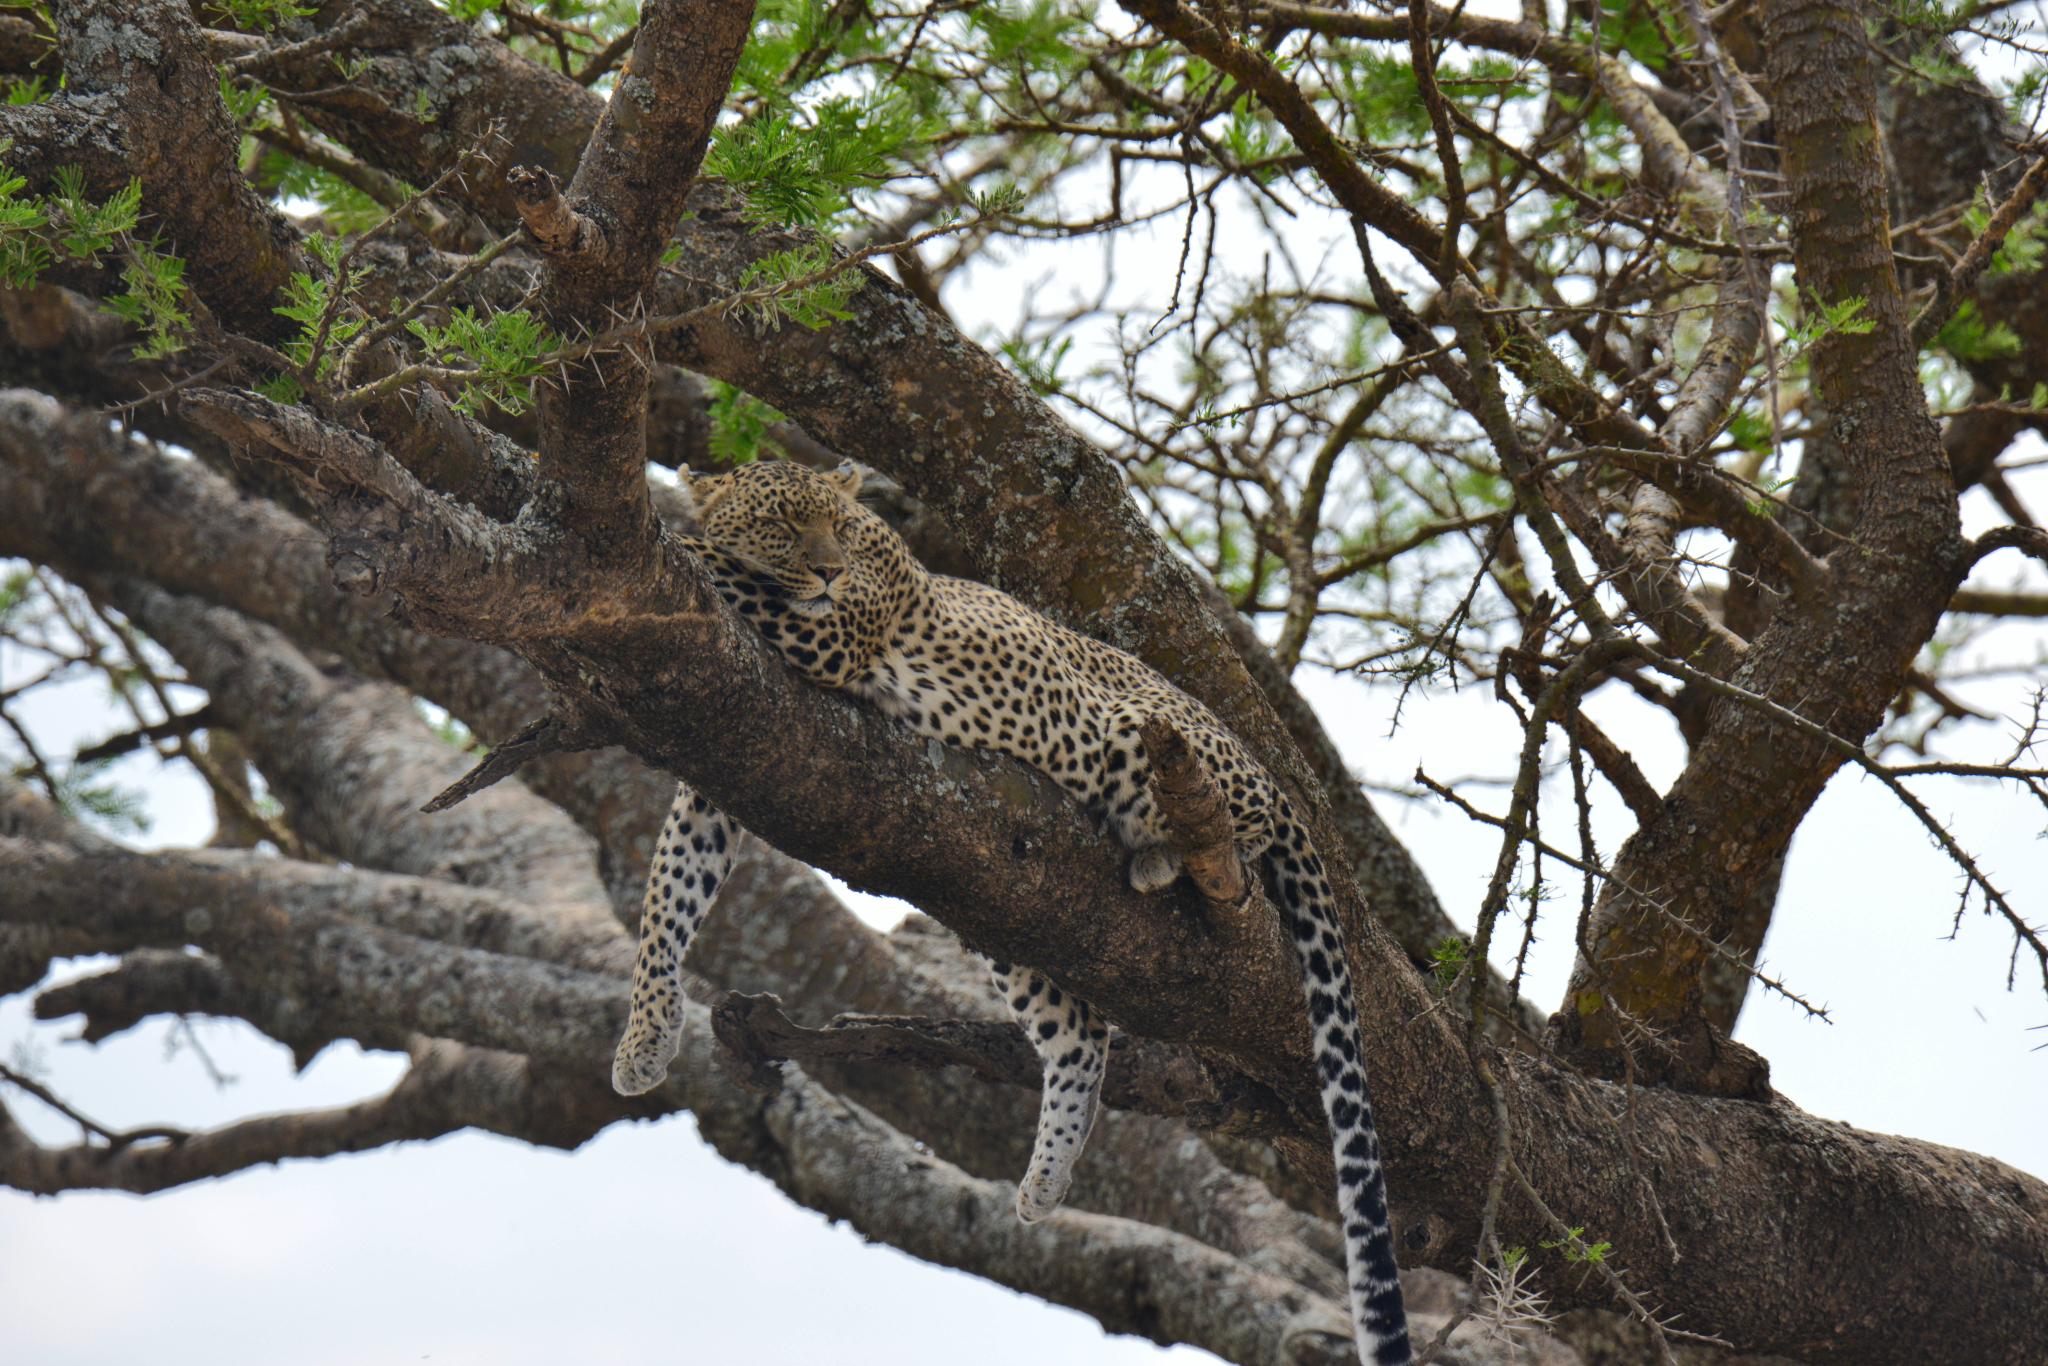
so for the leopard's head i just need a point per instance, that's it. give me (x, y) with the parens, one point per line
(786, 520)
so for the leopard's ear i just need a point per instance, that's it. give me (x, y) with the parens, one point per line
(704, 492)
(847, 478)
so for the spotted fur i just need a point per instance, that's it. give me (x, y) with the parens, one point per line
(839, 594)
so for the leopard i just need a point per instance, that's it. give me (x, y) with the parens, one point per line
(833, 588)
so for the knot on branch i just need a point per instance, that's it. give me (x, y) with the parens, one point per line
(558, 229)
(1197, 814)
(750, 1030)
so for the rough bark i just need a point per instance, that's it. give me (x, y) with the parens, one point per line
(1749, 781)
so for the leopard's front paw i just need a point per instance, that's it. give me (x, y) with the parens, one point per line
(641, 1064)
(1066, 1116)
(1040, 1192)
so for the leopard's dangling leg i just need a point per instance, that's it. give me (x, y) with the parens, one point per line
(695, 851)
(1073, 1042)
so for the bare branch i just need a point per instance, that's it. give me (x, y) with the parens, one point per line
(1953, 288)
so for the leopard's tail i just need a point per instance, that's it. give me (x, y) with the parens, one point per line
(1378, 1319)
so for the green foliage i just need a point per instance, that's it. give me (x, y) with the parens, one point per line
(1379, 89)
(738, 423)
(67, 221)
(2023, 94)
(242, 98)
(1577, 1249)
(1038, 361)
(154, 300)
(86, 229)
(284, 389)
(787, 40)
(1449, 959)
(15, 592)
(1750, 429)
(1037, 36)
(1630, 26)
(260, 16)
(1932, 66)
(1490, 76)
(29, 91)
(1967, 337)
(2023, 249)
(1928, 16)
(802, 171)
(1823, 320)
(1769, 488)
(345, 208)
(503, 352)
(76, 791)
(24, 254)
(1251, 136)
(792, 294)
(307, 301)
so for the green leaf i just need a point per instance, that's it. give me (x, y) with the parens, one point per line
(15, 591)
(283, 389)
(818, 304)
(738, 422)
(800, 168)
(503, 350)
(152, 303)
(1967, 337)
(1038, 361)
(260, 16)
(1449, 959)
(89, 228)
(78, 795)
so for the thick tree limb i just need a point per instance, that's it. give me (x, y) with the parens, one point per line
(885, 781)
(448, 1087)
(1142, 1076)
(150, 61)
(463, 993)
(612, 657)
(150, 982)
(628, 191)
(173, 897)
(348, 757)
(1746, 788)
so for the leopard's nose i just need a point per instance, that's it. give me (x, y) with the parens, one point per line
(830, 572)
